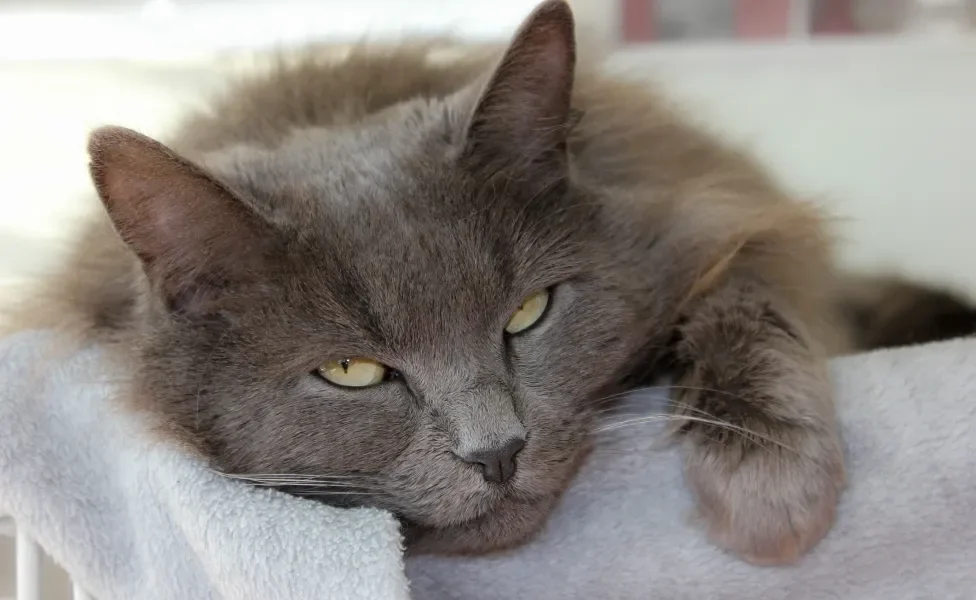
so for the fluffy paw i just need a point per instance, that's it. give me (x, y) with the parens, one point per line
(768, 498)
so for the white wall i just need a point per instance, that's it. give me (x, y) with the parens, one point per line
(884, 132)
(181, 29)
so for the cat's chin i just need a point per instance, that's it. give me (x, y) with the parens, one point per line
(471, 502)
(452, 508)
(510, 523)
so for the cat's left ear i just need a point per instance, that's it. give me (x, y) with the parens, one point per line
(523, 115)
(194, 237)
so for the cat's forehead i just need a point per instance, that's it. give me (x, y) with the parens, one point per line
(391, 226)
(359, 162)
(390, 182)
(373, 187)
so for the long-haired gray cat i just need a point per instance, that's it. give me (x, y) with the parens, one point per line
(414, 284)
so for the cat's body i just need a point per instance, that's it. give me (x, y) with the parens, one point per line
(397, 208)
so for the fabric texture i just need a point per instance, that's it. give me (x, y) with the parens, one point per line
(132, 518)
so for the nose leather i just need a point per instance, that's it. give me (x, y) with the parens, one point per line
(497, 463)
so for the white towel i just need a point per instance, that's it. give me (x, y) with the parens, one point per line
(134, 519)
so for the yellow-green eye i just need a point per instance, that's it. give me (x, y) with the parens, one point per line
(529, 313)
(354, 372)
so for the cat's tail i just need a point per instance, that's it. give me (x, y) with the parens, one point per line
(889, 311)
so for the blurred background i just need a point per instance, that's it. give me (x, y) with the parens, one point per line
(868, 106)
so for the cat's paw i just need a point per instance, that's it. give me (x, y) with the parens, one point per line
(767, 500)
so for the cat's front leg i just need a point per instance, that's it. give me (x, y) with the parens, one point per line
(767, 479)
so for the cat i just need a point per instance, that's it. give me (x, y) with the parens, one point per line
(392, 280)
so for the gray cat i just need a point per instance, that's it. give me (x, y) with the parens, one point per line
(409, 283)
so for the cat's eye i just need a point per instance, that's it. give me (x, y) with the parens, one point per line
(355, 372)
(529, 313)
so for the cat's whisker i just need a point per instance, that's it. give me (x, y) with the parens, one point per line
(662, 388)
(303, 480)
(667, 398)
(699, 415)
(627, 419)
(693, 388)
(298, 475)
(339, 493)
(617, 418)
(630, 392)
(633, 420)
(599, 407)
(745, 432)
(683, 406)
(322, 487)
(300, 488)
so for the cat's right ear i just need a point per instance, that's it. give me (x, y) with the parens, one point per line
(523, 116)
(192, 234)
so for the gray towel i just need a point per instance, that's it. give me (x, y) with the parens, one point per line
(133, 519)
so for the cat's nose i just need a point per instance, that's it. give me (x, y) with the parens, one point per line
(497, 464)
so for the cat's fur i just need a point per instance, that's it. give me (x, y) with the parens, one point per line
(887, 311)
(391, 206)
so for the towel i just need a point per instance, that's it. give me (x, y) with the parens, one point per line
(906, 527)
(133, 518)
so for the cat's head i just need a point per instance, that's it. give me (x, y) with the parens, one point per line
(413, 310)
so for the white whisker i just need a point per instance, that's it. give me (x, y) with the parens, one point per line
(293, 475)
(722, 424)
(337, 493)
(283, 480)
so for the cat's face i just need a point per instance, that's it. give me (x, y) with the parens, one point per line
(405, 244)
(418, 266)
